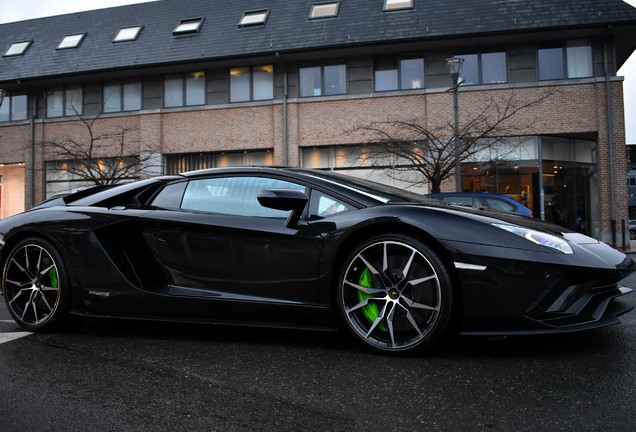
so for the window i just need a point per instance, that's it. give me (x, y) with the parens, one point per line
(323, 80)
(572, 61)
(13, 108)
(236, 196)
(64, 102)
(394, 74)
(71, 41)
(323, 206)
(253, 18)
(122, 96)
(484, 68)
(179, 163)
(390, 5)
(18, 48)
(324, 10)
(252, 83)
(128, 34)
(184, 90)
(188, 26)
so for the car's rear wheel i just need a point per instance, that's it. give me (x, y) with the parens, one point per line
(395, 294)
(35, 285)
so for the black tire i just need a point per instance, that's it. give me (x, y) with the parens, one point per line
(35, 286)
(395, 295)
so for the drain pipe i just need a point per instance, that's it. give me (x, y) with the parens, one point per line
(32, 148)
(610, 141)
(285, 109)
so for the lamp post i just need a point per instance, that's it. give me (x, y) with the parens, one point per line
(455, 68)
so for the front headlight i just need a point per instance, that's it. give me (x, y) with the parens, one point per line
(538, 237)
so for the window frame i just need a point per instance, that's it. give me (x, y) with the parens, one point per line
(119, 38)
(251, 86)
(261, 16)
(321, 69)
(480, 67)
(184, 77)
(313, 16)
(396, 5)
(566, 68)
(18, 48)
(188, 26)
(121, 84)
(398, 62)
(67, 110)
(8, 104)
(71, 41)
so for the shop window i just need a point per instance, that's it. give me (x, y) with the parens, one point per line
(184, 90)
(403, 74)
(64, 102)
(13, 108)
(179, 163)
(323, 80)
(122, 96)
(252, 83)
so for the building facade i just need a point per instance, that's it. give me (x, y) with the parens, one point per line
(177, 85)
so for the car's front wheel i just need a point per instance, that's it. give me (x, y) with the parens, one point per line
(395, 294)
(35, 285)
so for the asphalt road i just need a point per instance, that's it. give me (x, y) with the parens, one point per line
(121, 376)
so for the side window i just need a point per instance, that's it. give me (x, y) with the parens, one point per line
(234, 196)
(170, 196)
(459, 200)
(499, 204)
(322, 206)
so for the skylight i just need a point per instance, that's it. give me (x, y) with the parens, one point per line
(18, 48)
(324, 10)
(188, 26)
(128, 34)
(390, 5)
(71, 41)
(253, 18)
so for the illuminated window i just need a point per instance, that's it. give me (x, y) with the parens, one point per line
(252, 84)
(397, 4)
(18, 48)
(253, 18)
(128, 34)
(71, 41)
(324, 10)
(188, 26)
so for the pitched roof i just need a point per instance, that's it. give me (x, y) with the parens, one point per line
(287, 29)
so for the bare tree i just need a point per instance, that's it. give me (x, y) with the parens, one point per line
(99, 158)
(410, 145)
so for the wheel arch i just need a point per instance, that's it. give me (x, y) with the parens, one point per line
(367, 231)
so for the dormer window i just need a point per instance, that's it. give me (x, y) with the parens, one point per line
(71, 41)
(390, 5)
(253, 18)
(324, 10)
(128, 34)
(188, 26)
(18, 48)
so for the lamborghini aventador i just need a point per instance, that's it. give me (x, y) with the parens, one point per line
(304, 249)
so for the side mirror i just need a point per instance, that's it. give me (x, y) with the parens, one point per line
(286, 200)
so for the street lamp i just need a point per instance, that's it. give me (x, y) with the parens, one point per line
(2, 94)
(455, 68)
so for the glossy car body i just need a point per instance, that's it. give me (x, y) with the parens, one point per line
(484, 201)
(303, 249)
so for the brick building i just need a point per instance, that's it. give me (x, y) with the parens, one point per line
(200, 83)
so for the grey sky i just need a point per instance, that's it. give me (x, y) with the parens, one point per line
(12, 10)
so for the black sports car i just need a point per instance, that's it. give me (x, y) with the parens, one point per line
(304, 249)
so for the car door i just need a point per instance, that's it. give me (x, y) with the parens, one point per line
(222, 243)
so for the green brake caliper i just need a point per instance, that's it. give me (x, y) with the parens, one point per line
(53, 276)
(370, 311)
